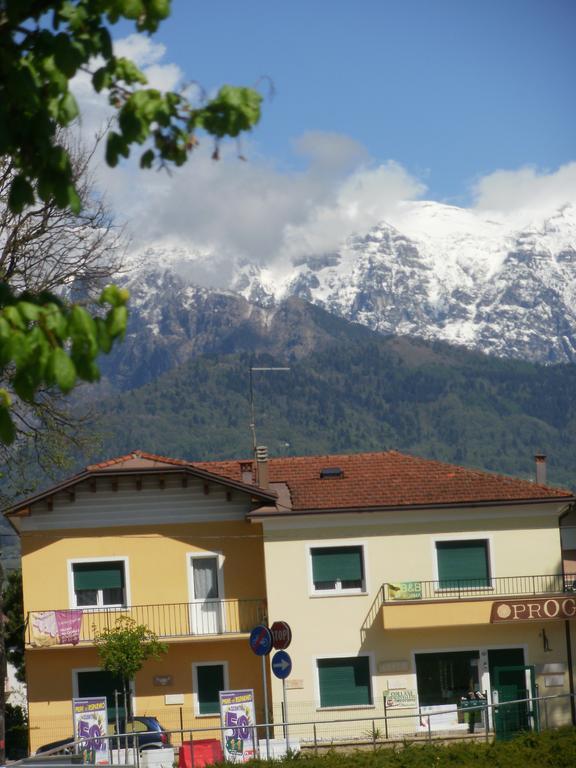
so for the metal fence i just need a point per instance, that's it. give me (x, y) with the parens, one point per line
(334, 730)
(169, 620)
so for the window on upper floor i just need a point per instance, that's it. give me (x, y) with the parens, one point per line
(338, 569)
(463, 563)
(99, 584)
(344, 682)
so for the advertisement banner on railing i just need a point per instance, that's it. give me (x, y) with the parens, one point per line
(55, 627)
(238, 719)
(405, 590)
(91, 728)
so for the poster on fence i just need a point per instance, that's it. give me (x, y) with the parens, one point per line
(91, 729)
(238, 720)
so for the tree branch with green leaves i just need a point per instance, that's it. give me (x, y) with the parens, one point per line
(43, 44)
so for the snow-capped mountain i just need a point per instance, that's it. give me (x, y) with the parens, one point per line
(503, 285)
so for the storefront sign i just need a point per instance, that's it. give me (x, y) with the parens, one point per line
(535, 609)
(401, 697)
(405, 590)
(91, 728)
(238, 719)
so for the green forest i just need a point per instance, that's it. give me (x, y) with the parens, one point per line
(363, 393)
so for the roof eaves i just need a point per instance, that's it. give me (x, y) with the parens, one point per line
(254, 490)
(261, 512)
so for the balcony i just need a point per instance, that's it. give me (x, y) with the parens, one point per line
(466, 589)
(169, 621)
(466, 602)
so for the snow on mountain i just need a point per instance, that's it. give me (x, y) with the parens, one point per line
(501, 284)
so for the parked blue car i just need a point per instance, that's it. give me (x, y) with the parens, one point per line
(147, 731)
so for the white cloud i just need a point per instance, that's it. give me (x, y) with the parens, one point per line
(253, 210)
(526, 189)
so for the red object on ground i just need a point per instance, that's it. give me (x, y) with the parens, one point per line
(204, 751)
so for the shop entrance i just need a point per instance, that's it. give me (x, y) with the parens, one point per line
(511, 680)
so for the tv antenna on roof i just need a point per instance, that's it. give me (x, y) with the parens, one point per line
(254, 369)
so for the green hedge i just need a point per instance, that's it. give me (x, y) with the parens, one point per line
(552, 749)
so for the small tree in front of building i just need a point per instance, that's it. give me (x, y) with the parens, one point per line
(124, 649)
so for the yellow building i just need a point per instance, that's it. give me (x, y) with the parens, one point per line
(164, 543)
(419, 581)
(400, 577)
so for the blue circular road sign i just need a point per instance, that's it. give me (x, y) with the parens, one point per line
(261, 640)
(281, 664)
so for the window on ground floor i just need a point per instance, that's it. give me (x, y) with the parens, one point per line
(463, 564)
(444, 678)
(344, 682)
(99, 584)
(208, 681)
(98, 682)
(337, 569)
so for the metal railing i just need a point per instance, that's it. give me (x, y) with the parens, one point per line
(166, 620)
(370, 730)
(464, 589)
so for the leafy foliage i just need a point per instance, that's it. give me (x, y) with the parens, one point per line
(45, 342)
(124, 648)
(12, 603)
(554, 749)
(45, 43)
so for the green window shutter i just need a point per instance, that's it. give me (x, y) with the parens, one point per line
(102, 683)
(330, 564)
(98, 576)
(463, 564)
(344, 682)
(210, 682)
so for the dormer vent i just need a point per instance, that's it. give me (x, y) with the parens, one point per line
(331, 472)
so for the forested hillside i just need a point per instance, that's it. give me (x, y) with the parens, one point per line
(368, 393)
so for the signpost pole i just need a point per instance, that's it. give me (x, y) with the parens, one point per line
(266, 714)
(285, 714)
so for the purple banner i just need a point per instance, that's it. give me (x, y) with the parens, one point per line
(69, 624)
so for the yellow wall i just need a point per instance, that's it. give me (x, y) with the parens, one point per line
(331, 626)
(158, 570)
(51, 670)
(158, 566)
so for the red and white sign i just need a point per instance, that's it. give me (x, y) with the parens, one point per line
(281, 635)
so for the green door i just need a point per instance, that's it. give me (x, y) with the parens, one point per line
(508, 676)
(102, 683)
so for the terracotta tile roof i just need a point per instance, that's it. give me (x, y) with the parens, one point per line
(389, 479)
(149, 457)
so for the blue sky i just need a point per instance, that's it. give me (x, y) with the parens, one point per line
(450, 89)
(379, 104)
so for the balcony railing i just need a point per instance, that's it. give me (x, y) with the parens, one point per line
(202, 618)
(487, 588)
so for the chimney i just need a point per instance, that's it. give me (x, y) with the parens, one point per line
(262, 477)
(246, 472)
(540, 459)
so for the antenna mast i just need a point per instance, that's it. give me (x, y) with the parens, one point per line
(252, 411)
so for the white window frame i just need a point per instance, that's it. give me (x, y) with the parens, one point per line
(197, 555)
(195, 698)
(338, 591)
(487, 537)
(352, 655)
(81, 560)
(76, 695)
